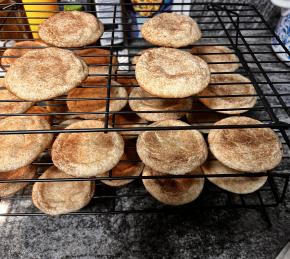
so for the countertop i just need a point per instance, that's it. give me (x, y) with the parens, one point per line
(209, 234)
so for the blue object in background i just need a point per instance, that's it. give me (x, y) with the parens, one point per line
(282, 30)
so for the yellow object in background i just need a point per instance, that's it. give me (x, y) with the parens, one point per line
(36, 14)
(141, 9)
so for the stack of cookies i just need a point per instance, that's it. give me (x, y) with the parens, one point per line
(168, 78)
(35, 76)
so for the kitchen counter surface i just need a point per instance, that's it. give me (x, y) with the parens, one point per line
(208, 234)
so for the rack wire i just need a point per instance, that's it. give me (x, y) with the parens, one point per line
(238, 26)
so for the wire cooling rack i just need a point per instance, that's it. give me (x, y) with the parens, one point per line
(238, 26)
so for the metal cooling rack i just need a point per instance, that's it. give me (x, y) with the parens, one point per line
(240, 27)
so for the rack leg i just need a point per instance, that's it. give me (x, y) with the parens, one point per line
(282, 197)
(264, 211)
(274, 189)
(113, 209)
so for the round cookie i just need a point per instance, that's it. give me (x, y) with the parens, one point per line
(45, 73)
(55, 198)
(14, 104)
(71, 29)
(143, 104)
(245, 149)
(128, 166)
(172, 151)
(98, 61)
(18, 50)
(159, 73)
(9, 189)
(238, 184)
(18, 150)
(172, 191)
(222, 56)
(87, 154)
(117, 91)
(171, 30)
(219, 89)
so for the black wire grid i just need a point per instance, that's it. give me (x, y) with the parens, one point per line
(240, 27)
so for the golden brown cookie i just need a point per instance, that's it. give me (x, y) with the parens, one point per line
(217, 88)
(13, 104)
(129, 165)
(71, 29)
(9, 189)
(100, 91)
(238, 184)
(159, 73)
(55, 198)
(45, 73)
(18, 50)
(171, 30)
(173, 191)
(172, 151)
(98, 61)
(18, 150)
(87, 154)
(245, 149)
(228, 61)
(141, 103)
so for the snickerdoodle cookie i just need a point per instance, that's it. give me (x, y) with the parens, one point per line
(18, 150)
(173, 191)
(223, 86)
(172, 151)
(71, 29)
(171, 73)
(45, 73)
(140, 101)
(224, 60)
(19, 49)
(55, 198)
(10, 103)
(171, 30)
(8, 189)
(237, 184)
(245, 149)
(90, 100)
(87, 154)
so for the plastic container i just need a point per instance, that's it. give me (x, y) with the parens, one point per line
(36, 14)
